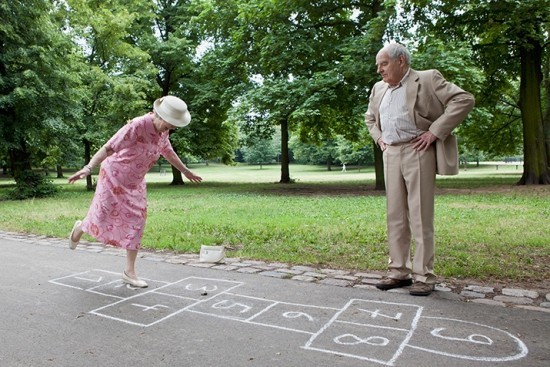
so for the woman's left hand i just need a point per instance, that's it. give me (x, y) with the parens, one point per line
(192, 177)
(80, 174)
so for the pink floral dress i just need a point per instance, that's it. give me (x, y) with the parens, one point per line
(118, 211)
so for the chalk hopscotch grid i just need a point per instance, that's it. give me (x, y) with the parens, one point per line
(157, 291)
(226, 300)
(250, 319)
(188, 308)
(523, 351)
(75, 275)
(334, 320)
(82, 276)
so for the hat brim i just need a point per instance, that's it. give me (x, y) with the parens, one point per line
(186, 120)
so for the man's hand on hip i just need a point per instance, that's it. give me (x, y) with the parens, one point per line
(423, 142)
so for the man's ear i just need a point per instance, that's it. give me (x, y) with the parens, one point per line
(401, 60)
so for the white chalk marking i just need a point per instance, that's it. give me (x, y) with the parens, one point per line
(148, 308)
(344, 339)
(398, 352)
(471, 338)
(522, 348)
(378, 341)
(295, 315)
(97, 279)
(376, 313)
(226, 305)
(203, 288)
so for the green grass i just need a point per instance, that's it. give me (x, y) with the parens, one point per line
(486, 227)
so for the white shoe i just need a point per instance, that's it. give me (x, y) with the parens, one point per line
(138, 283)
(73, 244)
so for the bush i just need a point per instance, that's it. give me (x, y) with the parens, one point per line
(32, 185)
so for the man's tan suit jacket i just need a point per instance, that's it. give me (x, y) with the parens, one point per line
(433, 103)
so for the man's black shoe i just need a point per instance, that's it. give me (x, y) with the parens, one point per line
(421, 289)
(391, 283)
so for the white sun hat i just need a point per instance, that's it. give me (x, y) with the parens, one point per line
(172, 110)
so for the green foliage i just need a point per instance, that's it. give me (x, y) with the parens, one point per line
(508, 40)
(31, 185)
(324, 153)
(494, 127)
(355, 152)
(170, 34)
(332, 151)
(260, 151)
(39, 81)
(310, 59)
(72, 72)
(215, 81)
(118, 75)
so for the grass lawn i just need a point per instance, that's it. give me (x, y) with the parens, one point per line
(487, 228)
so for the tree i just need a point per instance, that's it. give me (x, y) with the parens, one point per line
(172, 38)
(546, 84)
(493, 128)
(354, 152)
(261, 151)
(39, 85)
(117, 75)
(213, 135)
(325, 153)
(509, 40)
(309, 56)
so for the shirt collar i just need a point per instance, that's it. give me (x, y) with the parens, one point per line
(403, 80)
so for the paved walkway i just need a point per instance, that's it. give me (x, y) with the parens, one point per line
(490, 295)
(68, 308)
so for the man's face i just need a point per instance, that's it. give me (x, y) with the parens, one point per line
(391, 70)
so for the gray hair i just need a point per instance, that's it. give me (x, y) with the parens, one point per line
(395, 50)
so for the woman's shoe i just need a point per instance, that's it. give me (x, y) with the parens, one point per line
(138, 283)
(73, 244)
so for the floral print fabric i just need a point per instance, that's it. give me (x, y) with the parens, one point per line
(118, 211)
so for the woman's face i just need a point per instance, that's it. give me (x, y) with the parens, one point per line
(162, 125)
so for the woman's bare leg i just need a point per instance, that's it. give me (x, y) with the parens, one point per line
(131, 256)
(130, 275)
(77, 234)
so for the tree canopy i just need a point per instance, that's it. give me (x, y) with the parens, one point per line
(508, 40)
(72, 72)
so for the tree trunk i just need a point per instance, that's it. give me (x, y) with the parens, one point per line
(87, 157)
(285, 161)
(535, 168)
(546, 118)
(374, 46)
(20, 159)
(177, 178)
(59, 170)
(378, 168)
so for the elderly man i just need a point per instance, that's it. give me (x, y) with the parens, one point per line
(408, 111)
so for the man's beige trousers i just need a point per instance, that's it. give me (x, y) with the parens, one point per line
(410, 190)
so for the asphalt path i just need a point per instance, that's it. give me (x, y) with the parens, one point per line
(70, 308)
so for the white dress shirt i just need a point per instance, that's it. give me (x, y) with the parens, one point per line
(396, 125)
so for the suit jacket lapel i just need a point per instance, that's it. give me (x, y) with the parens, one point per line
(412, 93)
(377, 100)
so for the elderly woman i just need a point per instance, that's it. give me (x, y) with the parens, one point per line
(118, 211)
